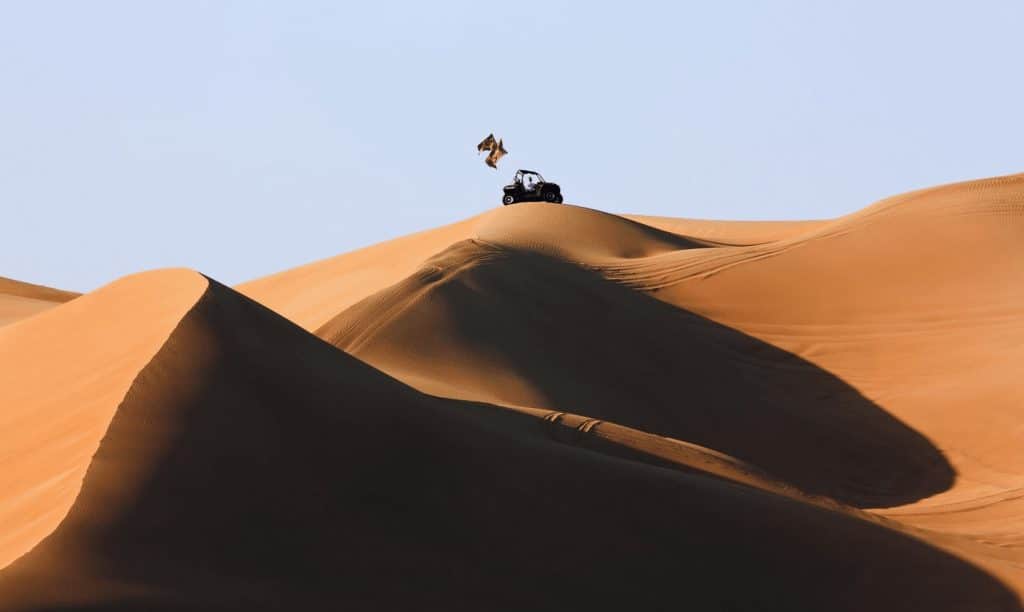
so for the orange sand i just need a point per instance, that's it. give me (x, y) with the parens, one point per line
(602, 412)
(20, 300)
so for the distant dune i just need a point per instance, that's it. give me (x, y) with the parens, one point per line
(543, 407)
(19, 300)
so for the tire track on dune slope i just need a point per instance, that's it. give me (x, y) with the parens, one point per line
(670, 453)
(387, 306)
(919, 304)
(288, 475)
(572, 338)
(1002, 196)
(875, 246)
(863, 297)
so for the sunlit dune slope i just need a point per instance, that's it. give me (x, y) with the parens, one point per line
(918, 302)
(253, 466)
(871, 358)
(541, 407)
(312, 294)
(62, 374)
(515, 327)
(20, 300)
(729, 233)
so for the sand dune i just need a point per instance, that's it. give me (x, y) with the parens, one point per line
(542, 407)
(287, 474)
(64, 373)
(490, 324)
(20, 300)
(729, 233)
(310, 295)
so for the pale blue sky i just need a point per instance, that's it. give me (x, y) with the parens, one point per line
(241, 138)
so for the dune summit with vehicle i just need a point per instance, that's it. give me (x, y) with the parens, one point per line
(530, 186)
(542, 407)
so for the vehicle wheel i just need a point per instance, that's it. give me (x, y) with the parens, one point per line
(558, 200)
(508, 200)
(551, 197)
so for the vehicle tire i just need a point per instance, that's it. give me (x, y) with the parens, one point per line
(558, 199)
(508, 200)
(551, 196)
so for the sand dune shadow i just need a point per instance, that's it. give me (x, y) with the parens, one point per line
(600, 349)
(253, 466)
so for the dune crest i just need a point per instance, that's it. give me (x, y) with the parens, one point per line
(572, 409)
(73, 365)
(65, 372)
(914, 304)
(286, 474)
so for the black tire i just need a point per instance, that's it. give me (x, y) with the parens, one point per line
(508, 200)
(551, 196)
(558, 200)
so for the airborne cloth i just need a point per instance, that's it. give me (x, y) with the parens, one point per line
(496, 150)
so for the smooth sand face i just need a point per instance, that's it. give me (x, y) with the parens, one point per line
(344, 280)
(20, 300)
(64, 373)
(715, 415)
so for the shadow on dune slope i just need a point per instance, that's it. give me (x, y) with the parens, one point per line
(253, 466)
(518, 327)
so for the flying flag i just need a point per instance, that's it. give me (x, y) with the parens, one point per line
(496, 150)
